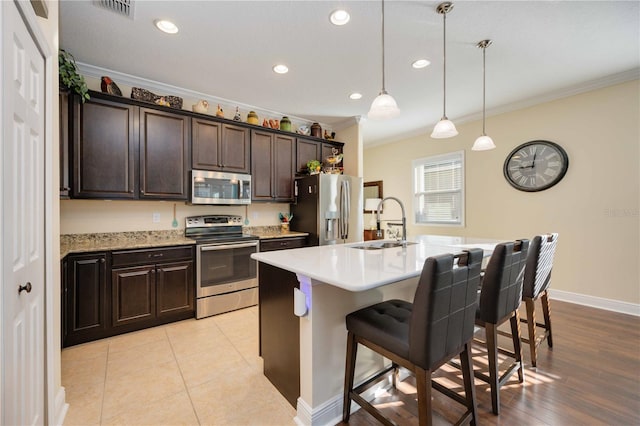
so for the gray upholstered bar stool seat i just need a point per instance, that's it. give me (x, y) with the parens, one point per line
(421, 336)
(499, 299)
(537, 278)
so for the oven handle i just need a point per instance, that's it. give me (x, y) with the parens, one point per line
(227, 246)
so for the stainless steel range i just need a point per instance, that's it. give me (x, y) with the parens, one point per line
(226, 276)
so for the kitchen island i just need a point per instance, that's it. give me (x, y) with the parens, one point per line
(336, 280)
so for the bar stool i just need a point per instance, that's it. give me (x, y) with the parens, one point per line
(537, 277)
(499, 299)
(421, 336)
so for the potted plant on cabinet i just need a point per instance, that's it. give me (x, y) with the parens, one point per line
(69, 78)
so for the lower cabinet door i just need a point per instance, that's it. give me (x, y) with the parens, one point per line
(85, 303)
(175, 288)
(133, 295)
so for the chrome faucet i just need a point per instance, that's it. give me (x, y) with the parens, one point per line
(404, 218)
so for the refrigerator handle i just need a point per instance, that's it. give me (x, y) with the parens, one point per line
(345, 209)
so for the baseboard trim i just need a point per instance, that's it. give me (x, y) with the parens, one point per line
(330, 412)
(596, 302)
(60, 406)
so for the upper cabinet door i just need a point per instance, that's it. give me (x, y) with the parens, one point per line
(205, 144)
(284, 167)
(218, 146)
(105, 147)
(261, 165)
(164, 155)
(307, 150)
(235, 149)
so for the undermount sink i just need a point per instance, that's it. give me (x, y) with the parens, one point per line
(382, 245)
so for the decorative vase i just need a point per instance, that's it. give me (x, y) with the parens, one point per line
(285, 124)
(284, 227)
(316, 130)
(252, 118)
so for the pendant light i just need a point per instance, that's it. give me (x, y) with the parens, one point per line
(484, 142)
(383, 106)
(444, 128)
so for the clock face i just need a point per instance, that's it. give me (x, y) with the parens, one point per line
(536, 166)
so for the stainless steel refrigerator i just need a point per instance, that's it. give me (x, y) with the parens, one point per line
(329, 207)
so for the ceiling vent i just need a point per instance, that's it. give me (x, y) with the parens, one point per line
(121, 7)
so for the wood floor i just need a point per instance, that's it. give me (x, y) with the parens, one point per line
(590, 377)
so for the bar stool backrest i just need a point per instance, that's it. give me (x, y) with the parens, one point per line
(501, 292)
(444, 307)
(537, 276)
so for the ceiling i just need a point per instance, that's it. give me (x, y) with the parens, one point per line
(226, 49)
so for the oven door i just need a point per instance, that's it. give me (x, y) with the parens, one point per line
(225, 267)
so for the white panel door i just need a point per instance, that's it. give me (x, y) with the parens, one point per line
(23, 143)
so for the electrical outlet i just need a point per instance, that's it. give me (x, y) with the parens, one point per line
(255, 215)
(156, 218)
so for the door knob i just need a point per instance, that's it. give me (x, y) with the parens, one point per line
(27, 287)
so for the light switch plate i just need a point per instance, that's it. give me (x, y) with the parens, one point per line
(156, 218)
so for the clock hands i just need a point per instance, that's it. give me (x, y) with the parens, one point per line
(533, 161)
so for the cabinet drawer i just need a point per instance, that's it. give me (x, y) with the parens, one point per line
(282, 244)
(150, 256)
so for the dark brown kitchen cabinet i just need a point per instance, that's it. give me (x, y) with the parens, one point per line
(220, 147)
(152, 286)
(109, 293)
(164, 154)
(105, 149)
(174, 289)
(278, 326)
(85, 303)
(313, 149)
(272, 166)
(133, 293)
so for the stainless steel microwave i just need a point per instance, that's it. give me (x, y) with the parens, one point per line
(209, 187)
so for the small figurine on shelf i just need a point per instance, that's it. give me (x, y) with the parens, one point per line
(219, 112)
(237, 116)
(109, 86)
(327, 136)
(265, 123)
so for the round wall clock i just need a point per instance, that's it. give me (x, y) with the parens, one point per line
(536, 166)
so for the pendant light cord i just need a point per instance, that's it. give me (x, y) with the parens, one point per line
(383, 88)
(444, 66)
(484, 87)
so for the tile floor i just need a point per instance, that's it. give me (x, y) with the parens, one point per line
(193, 372)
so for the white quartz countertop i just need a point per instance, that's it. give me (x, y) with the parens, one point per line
(353, 269)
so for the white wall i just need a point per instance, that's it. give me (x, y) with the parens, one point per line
(595, 208)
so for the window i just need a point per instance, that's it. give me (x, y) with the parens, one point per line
(438, 188)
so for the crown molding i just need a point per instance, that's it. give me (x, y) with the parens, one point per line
(162, 88)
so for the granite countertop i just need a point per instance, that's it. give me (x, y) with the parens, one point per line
(268, 232)
(82, 243)
(353, 269)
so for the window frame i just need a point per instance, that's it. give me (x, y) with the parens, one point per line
(436, 159)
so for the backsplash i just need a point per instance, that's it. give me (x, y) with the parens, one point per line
(97, 216)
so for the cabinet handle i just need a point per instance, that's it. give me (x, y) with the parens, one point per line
(142, 191)
(27, 287)
(156, 255)
(102, 260)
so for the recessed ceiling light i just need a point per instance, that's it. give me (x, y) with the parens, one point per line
(339, 17)
(280, 69)
(421, 63)
(166, 26)
(355, 96)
